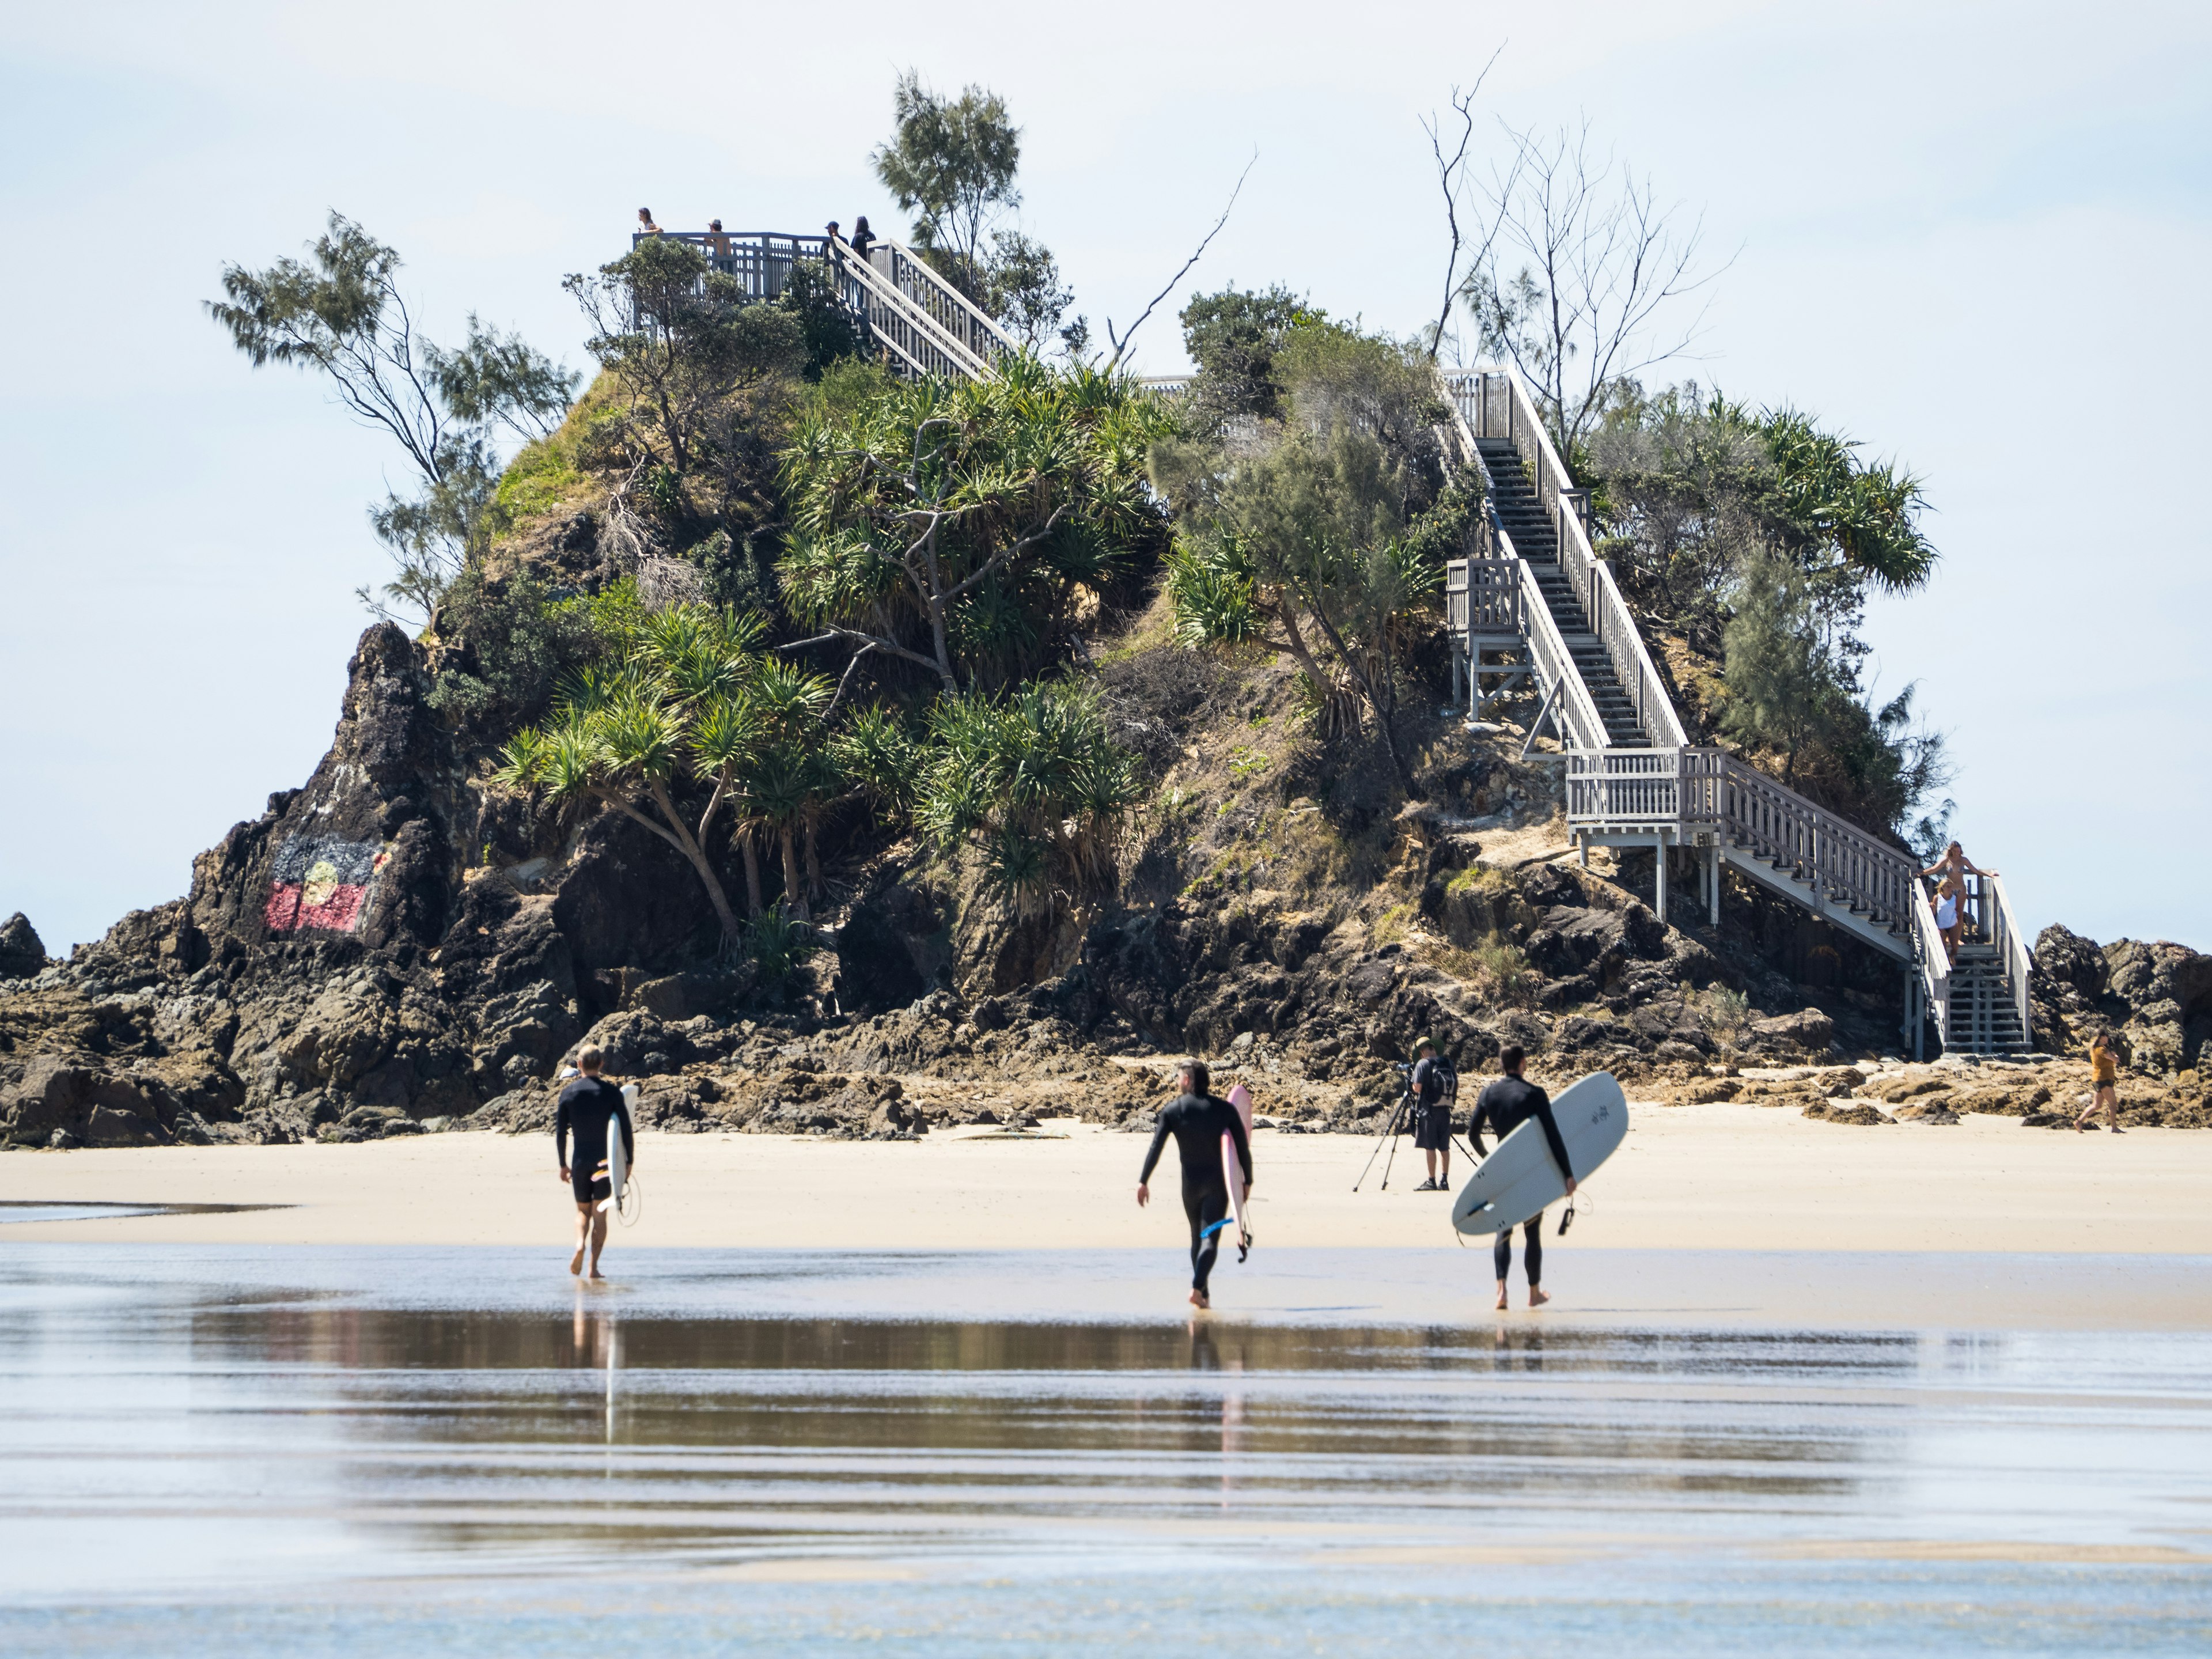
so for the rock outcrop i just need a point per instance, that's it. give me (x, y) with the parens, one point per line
(22, 953)
(2154, 997)
(398, 945)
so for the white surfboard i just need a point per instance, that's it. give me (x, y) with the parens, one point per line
(618, 1159)
(1519, 1178)
(1232, 1168)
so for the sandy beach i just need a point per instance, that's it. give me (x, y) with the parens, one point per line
(1724, 1177)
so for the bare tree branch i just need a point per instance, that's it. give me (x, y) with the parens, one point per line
(1600, 260)
(1451, 177)
(1122, 345)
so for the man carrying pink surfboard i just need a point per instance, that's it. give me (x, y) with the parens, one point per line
(1199, 1121)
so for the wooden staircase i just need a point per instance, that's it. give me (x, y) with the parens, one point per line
(1513, 501)
(1536, 594)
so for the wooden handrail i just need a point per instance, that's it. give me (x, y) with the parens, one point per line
(1555, 663)
(1935, 961)
(979, 335)
(2012, 949)
(899, 310)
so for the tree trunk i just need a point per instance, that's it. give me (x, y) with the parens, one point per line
(813, 859)
(795, 896)
(752, 873)
(935, 583)
(678, 836)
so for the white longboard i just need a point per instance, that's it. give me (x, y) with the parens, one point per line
(1232, 1170)
(1519, 1178)
(618, 1159)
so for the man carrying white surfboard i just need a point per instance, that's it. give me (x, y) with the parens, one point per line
(1505, 1105)
(1198, 1121)
(590, 1108)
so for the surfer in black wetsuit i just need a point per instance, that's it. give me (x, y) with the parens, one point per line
(1198, 1121)
(1506, 1105)
(587, 1108)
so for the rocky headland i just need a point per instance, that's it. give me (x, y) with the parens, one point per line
(400, 946)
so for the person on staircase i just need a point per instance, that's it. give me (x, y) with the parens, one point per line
(2103, 1082)
(1948, 898)
(645, 225)
(1953, 867)
(863, 239)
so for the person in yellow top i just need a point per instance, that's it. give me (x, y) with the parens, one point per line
(2105, 1079)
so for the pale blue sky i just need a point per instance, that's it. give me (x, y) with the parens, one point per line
(1974, 236)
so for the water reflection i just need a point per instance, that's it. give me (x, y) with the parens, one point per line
(176, 1432)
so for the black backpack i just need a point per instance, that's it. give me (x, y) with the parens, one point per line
(1447, 1084)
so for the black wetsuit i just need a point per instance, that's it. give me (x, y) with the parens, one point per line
(585, 1107)
(1198, 1122)
(1505, 1105)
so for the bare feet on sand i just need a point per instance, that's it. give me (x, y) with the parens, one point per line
(1199, 1299)
(1501, 1298)
(576, 1261)
(595, 1275)
(1536, 1297)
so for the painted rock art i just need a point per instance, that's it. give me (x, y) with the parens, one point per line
(319, 881)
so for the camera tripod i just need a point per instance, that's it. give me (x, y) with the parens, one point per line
(1401, 1115)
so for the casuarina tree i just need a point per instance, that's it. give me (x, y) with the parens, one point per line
(340, 313)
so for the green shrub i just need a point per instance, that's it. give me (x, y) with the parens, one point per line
(505, 643)
(778, 942)
(1033, 781)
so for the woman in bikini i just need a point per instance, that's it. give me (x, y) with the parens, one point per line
(1951, 902)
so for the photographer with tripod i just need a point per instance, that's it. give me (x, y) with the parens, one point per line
(1436, 1096)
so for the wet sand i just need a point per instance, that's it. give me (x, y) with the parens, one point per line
(1724, 1176)
(278, 1451)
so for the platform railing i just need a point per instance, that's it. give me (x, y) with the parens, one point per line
(1482, 596)
(1624, 788)
(1697, 791)
(923, 324)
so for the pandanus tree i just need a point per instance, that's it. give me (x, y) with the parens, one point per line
(1033, 780)
(788, 775)
(676, 731)
(954, 525)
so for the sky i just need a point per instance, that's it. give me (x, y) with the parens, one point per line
(1973, 237)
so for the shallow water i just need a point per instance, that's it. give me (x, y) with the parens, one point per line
(307, 1452)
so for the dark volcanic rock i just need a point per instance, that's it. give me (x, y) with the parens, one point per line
(1808, 1032)
(22, 954)
(2156, 998)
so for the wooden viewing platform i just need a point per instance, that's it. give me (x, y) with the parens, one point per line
(923, 324)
